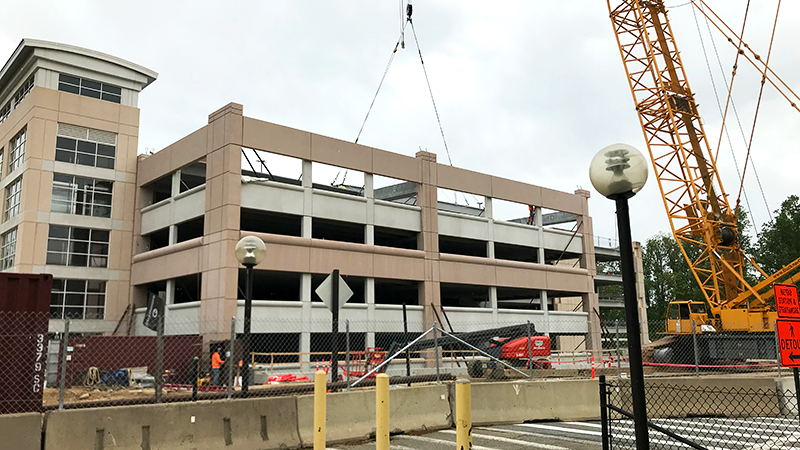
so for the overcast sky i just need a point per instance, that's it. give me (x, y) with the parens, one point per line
(527, 90)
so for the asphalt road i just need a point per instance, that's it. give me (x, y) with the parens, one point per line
(711, 433)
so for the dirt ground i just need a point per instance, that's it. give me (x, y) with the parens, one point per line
(82, 394)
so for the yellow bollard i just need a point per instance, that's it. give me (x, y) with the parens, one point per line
(463, 415)
(320, 386)
(382, 412)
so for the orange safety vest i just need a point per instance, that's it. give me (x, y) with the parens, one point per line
(216, 361)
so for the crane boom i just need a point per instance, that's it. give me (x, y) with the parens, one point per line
(687, 175)
(702, 220)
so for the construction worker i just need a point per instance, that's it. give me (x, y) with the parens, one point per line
(216, 363)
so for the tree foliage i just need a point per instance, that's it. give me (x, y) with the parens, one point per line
(667, 275)
(779, 240)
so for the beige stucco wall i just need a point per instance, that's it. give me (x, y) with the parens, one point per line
(41, 111)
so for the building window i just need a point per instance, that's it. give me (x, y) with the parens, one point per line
(89, 88)
(80, 247)
(5, 111)
(1, 163)
(81, 196)
(23, 91)
(9, 243)
(16, 152)
(16, 99)
(77, 299)
(13, 195)
(86, 146)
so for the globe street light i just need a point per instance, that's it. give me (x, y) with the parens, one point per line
(250, 251)
(618, 172)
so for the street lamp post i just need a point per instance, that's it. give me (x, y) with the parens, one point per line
(250, 251)
(618, 172)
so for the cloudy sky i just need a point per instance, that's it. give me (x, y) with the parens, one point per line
(528, 90)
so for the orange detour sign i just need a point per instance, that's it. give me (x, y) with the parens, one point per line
(789, 342)
(786, 301)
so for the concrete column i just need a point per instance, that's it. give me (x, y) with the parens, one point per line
(489, 213)
(369, 194)
(220, 269)
(169, 299)
(427, 200)
(543, 301)
(493, 303)
(537, 217)
(641, 300)
(591, 301)
(308, 200)
(369, 294)
(305, 315)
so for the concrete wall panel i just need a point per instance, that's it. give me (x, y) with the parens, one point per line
(459, 225)
(399, 217)
(340, 153)
(270, 196)
(269, 423)
(352, 415)
(516, 402)
(347, 208)
(394, 165)
(463, 180)
(514, 191)
(21, 431)
(278, 139)
(517, 234)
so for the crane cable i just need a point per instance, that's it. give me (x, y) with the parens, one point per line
(386, 71)
(400, 40)
(758, 104)
(719, 104)
(739, 51)
(435, 110)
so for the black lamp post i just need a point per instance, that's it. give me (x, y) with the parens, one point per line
(250, 251)
(618, 172)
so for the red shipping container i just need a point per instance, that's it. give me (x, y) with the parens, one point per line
(24, 314)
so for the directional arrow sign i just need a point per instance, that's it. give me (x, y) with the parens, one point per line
(325, 292)
(789, 342)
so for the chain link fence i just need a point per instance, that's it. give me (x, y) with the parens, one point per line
(701, 417)
(85, 369)
(694, 349)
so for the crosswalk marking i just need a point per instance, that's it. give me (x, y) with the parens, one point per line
(584, 424)
(511, 441)
(552, 428)
(559, 437)
(431, 440)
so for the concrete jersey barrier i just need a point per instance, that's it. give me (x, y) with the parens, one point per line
(705, 396)
(265, 423)
(21, 431)
(351, 415)
(518, 401)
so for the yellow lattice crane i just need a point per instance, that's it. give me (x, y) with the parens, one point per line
(702, 218)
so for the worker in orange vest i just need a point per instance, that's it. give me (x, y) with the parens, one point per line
(216, 363)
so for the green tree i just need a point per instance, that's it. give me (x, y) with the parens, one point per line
(779, 240)
(667, 275)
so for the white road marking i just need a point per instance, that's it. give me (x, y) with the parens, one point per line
(552, 428)
(431, 440)
(540, 435)
(591, 425)
(511, 441)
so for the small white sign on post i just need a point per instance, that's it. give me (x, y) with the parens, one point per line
(325, 292)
